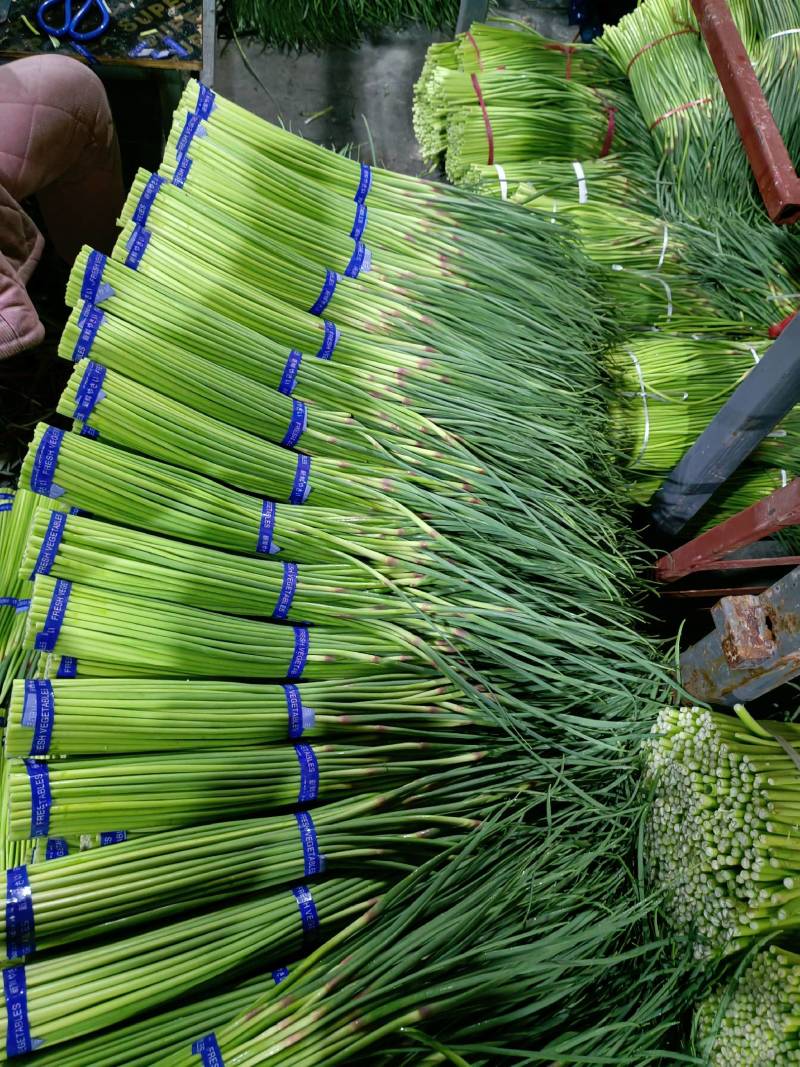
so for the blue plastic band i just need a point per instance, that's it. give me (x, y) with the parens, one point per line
(90, 322)
(289, 376)
(23, 603)
(45, 462)
(5, 505)
(137, 246)
(18, 1029)
(174, 46)
(56, 848)
(93, 288)
(113, 837)
(300, 654)
(90, 391)
(294, 710)
(326, 294)
(308, 913)
(364, 183)
(89, 431)
(38, 712)
(182, 172)
(361, 260)
(50, 543)
(67, 668)
(190, 128)
(206, 101)
(149, 193)
(330, 340)
(313, 860)
(288, 590)
(279, 974)
(139, 49)
(265, 543)
(309, 774)
(20, 934)
(297, 426)
(301, 486)
(17, 603)
(207, 1048)
(360, 222)
(41, 797)
(48, 636)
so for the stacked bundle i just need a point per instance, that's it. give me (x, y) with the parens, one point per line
(512, 97)
(721, 833)
(429, 592)
(16, 513)
(335, 23)
(758, 1021)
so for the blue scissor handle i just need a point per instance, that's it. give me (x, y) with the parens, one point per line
(69, 27)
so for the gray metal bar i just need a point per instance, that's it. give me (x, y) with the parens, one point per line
(768, 393)
(471, 11)
(209, 42)
(754, 648)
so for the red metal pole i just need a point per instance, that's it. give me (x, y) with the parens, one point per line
(773, 169)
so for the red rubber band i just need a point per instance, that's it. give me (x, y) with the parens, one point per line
(474, 44)
(476, 85)
(658, 40)
(679, 109)
(610, 131)
(779, 327)
(568, 50)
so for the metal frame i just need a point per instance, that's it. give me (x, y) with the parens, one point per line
(762, 519)
(770, 162)
(209, 27)
(471, 11)
(754, 647)
(767, 394)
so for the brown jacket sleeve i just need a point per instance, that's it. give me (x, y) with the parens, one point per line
(20, 249)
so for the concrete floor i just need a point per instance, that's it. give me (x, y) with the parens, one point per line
(364, 93)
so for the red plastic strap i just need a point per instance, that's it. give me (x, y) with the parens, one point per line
(658, 40)
(476, 85)
(610, 131)
(677, 110)
(474, 44)
(777, 329)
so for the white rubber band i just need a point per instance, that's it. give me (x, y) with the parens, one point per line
(501, 174)
(784, 479)
(781, 33)
(754, 354)
(664, 245)
(668, 291)
(643, 395)
(583, 188)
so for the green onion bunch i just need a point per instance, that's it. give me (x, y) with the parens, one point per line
(134, 490)
(753, 1019)
(551, 118)
(140, 881)
(507, 64)
(115, 634)
(75, 993)
(94, 716)
(449, 949)
(337, 24)
(720, 835)
(607, 181)
(17, 508)
(132, 416)
(165, 791)
(146, 1040)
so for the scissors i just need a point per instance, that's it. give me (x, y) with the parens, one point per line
(70, 27)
